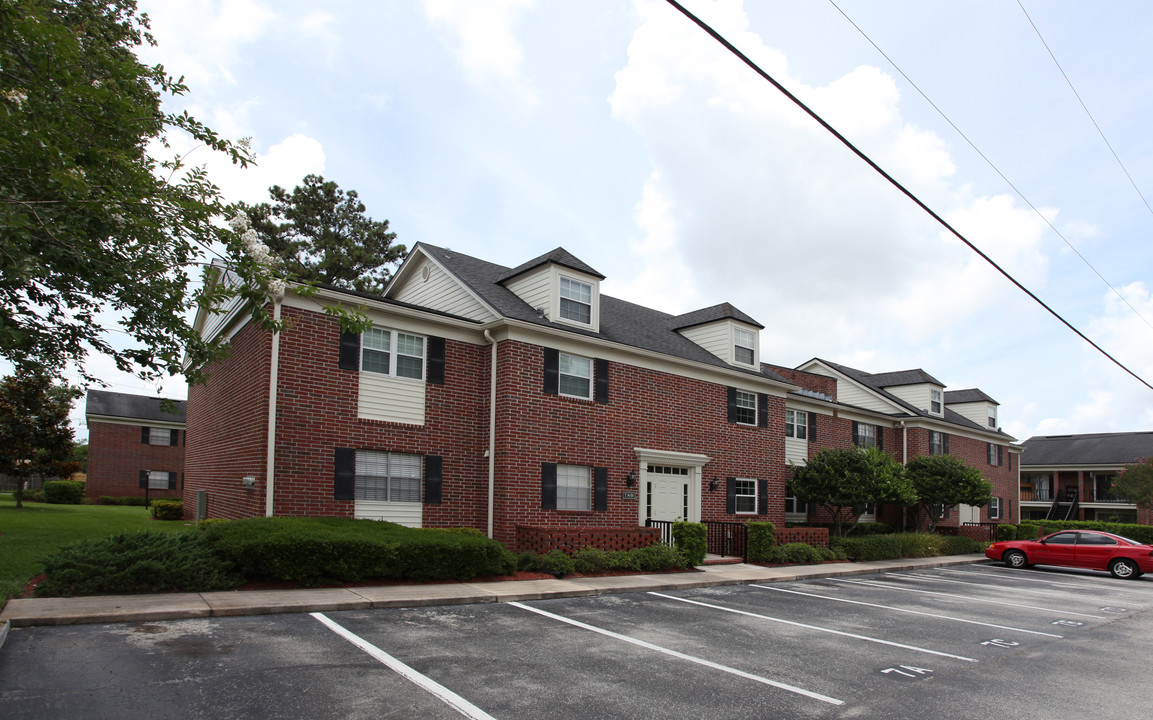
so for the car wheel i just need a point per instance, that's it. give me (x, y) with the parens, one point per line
(1122, 568)
(1015, 559)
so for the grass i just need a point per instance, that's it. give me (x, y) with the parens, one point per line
(29, 535)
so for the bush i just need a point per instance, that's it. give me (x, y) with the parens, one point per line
(64, 492)
(1005, 531)
(121, 500)
(761, 541)
(960, 545)
(167, 509)
(311, 551)
(140, 562)
(691, 541)
(1140, 533)
(1027, 531)
(33, 496)
(795, 554)
(889, 547)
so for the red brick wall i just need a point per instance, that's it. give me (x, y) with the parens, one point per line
(569, 540)
(807, 380)
(116, 456)
(817, 537)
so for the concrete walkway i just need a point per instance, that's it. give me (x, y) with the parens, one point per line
(148, 608)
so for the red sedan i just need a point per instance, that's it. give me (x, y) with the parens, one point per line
(1088, 549)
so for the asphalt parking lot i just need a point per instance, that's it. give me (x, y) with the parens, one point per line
(975, 641)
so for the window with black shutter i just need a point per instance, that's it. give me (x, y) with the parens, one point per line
(552, 371)
(433, 479)
(344, 474)
(548, 486)
(600, 489)
(349, 350)
(436, 360)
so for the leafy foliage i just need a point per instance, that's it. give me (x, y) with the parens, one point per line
(64, 492)
(843, 481)
(167, 509)
(941, 481)
(35, 435)
(761, 540)
(321, 234)
(653, 558)
(691, 541)
(798, 554)
(1135, 483)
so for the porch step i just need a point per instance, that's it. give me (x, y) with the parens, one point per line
(722, 560)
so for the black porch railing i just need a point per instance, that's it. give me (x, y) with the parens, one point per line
(727, 539)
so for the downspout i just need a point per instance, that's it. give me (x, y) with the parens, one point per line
(491, 453)
(273, 379)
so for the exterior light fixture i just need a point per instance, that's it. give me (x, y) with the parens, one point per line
(631, 478)
(714, 483)
(249, 481)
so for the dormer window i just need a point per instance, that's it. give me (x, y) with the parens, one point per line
(743, 341)
(992, 417)
(576, 301)
(935, 401)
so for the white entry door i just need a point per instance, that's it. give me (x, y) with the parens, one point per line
(667, 492)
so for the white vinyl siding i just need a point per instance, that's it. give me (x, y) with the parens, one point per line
(535, 289)
(382, 397)
(719, 339)
(978, 412)
(919, 396)
(796, 451)
(440, 292)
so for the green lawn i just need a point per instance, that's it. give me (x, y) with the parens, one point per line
(27, 536)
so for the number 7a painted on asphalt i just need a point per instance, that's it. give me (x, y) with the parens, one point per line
(907, 671)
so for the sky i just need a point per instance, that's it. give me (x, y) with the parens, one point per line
(620, 131)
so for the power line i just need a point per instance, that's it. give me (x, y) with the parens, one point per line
(995, 168)
(905, 191)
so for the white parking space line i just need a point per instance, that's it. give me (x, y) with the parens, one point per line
(1090, 583)
(456, 702)
(682, 656)
(906, 610)
(816, 628)
(966, 597)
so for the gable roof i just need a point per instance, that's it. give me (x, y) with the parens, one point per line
(1092, 449)
(723, 311)
(953, 397)
(916, 376)
(133, 407)
(621, 322)
(560, 256)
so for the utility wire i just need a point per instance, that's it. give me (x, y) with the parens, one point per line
(1085, 108)
(905, 191)
(997, 170)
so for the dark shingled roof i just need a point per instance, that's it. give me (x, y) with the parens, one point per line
(620, 321)
(967, 396)
(135, 407)
(724, 311)
(560, 256)
(1094, 449)
(902, 377)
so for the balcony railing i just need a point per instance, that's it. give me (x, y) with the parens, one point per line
(1043, 494)
(1029, 494)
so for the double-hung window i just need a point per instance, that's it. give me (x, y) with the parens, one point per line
(573, 487)
(746, 496)
(161, 436)
(158, 479)
(938, 444)
(743, 342)
(994, 453)
(866, 435)
(746, 407)
(995, 508)
(575, 376)
(576, 301)
(387, 476)
(391, 352)
(796, 424)
(935, 401)
(992, 417)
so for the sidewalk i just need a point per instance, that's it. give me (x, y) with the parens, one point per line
(147, 608)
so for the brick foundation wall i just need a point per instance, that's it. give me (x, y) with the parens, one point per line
(544, 540)
(116, 456)
(817, 537)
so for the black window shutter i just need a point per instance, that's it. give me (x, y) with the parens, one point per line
(880, 437)
(143, 479)
(600, 489)
(144, 435)
(349, 351)
(433, 479)
(856, 434)
(732, 400)
(1000, 455)
(602, 381)
(344, 474)
(1010, 461)
(762, 410)
(174, 437)
(172, 477)
(436, 352)
(812, 427)
(731, 495)
(552, 373)
(762, 497)
(945, 440)
(548, 486)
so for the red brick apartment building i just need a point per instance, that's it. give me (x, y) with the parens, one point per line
(508, 399)
(135, 445)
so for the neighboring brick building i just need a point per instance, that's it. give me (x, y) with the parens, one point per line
(135, 445)
(501, 398)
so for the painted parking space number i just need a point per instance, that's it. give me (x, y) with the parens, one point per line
(997, 642)
(908, 671)
(1068, 623)
(1110, 609)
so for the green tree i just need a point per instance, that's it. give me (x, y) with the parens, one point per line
(320, 234)
(844, 481)
(944, 480)
(98, 234)
(1135, 483)
(35, 436)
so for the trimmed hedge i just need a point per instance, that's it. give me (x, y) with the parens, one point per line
(800, 554)
(1027, 531)
(167, 509)
(653, 558)
(1005, 531)
(64, 492)
(692, 542)
(762, 538)
(311, 551)
(120, 500)
(141, 562)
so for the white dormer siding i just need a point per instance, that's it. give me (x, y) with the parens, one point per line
(428, 285)
(978, 412)
(552, 286)
(722, 338)
(922, 397)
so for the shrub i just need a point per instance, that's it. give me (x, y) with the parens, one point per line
(1027, 531)
(1005, 531)
(691, 541)
(33, 496)
(960, 545)
(761, 541)
(889, 547)
(122, 500)
(795, 554)
(167, 509)
(64, 492)
(139, 562)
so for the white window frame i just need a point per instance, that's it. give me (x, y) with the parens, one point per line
(160, 436)
(392, 343)
(574, 488)
(403, 476)
(867, 435)
(158, 479)
(993, 417)
(744, 484)
(575, 295)
(994, 452)
(572, 361)
(936, 440)
(995, 508)
(797, 424)
(744, 340)
(740, 406)
(936, 401)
